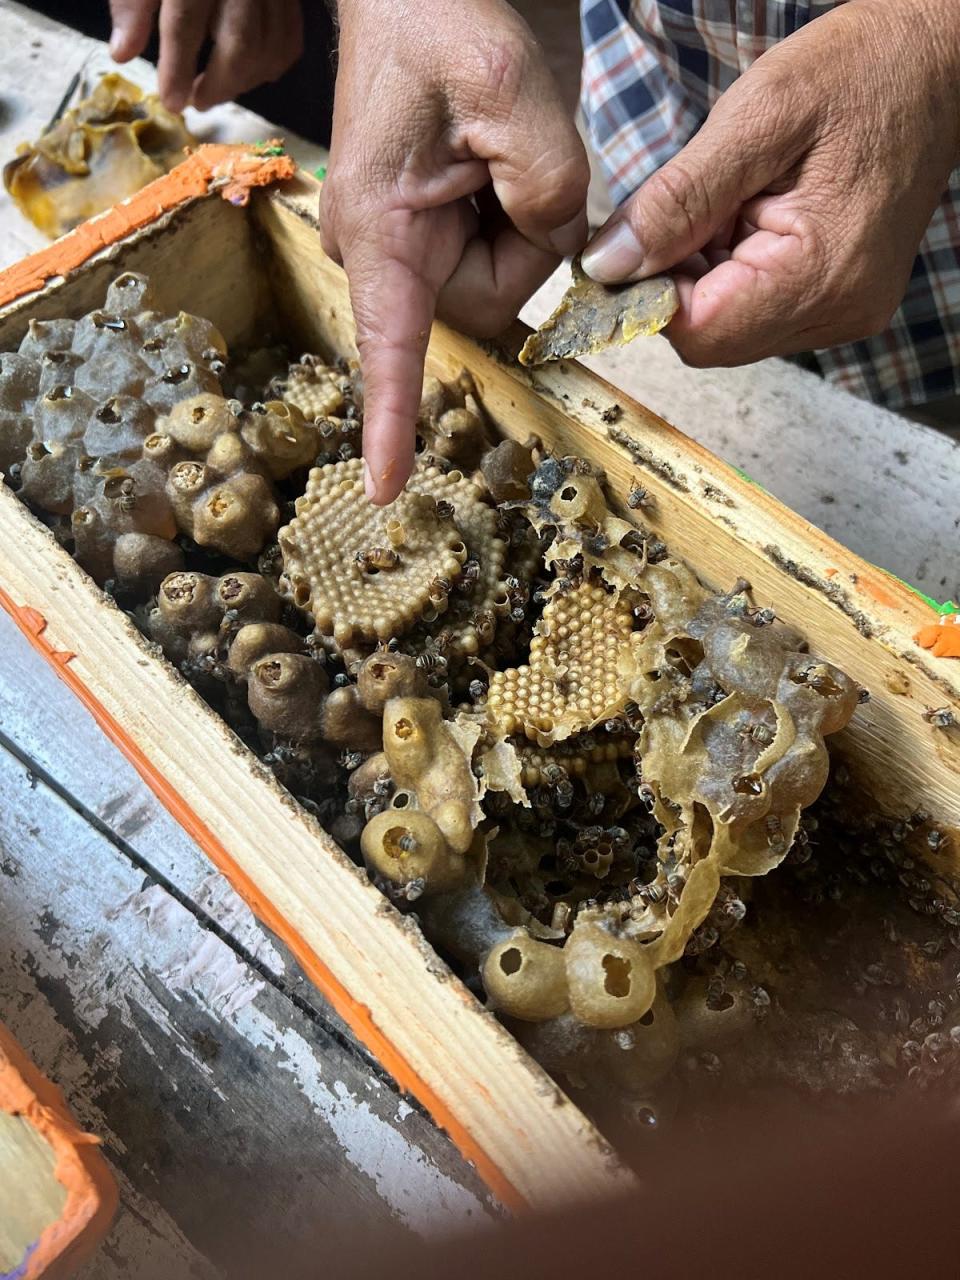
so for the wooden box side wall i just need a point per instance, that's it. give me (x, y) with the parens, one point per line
(200, 257)
(709, 515)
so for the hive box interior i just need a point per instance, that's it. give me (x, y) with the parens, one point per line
(260, 271)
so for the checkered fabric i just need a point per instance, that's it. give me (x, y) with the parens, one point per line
(652, 71)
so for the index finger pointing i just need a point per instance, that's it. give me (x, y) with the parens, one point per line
(393, 327)
(393, 296)
(396, 262)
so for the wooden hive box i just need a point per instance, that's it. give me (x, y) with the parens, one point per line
(261, 266)
(57, 1196)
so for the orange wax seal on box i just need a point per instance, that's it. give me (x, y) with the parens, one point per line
(943, 636)
(230, 169)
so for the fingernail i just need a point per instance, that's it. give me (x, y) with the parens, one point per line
(614, 253)
(569, 238)
(116, 42)
(369, 487)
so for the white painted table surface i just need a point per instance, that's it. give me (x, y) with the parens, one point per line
(241, 1118)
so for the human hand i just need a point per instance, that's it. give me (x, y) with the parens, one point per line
(806, 193)
(253, 41)
(456, 181)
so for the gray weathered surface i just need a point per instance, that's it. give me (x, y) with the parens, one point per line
(237, 1110)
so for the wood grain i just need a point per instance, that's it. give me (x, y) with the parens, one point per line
(57, 1196)
(528, 1139)
(195, 1069)
(873, 480)
(126, 929)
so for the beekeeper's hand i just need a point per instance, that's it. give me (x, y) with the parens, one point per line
(808, 190)
(253, 41)
(456, 182)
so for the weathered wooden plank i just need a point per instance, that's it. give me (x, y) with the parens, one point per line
(41, 715)
(199, 1073)
(47, 722)
(548, 1089)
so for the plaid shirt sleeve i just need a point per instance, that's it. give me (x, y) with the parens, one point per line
(652, 71)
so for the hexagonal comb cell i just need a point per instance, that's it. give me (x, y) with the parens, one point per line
(367, 573)
(471, 617)
(574, 677)
(318, 390)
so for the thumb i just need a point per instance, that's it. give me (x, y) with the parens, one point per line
(132, 23)
(742, 148)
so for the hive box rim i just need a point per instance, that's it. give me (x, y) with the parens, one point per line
(891, 609)
(588, 1162)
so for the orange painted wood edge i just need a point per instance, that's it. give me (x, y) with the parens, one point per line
(230, 170)
(357, 1016)
(91, 1191)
